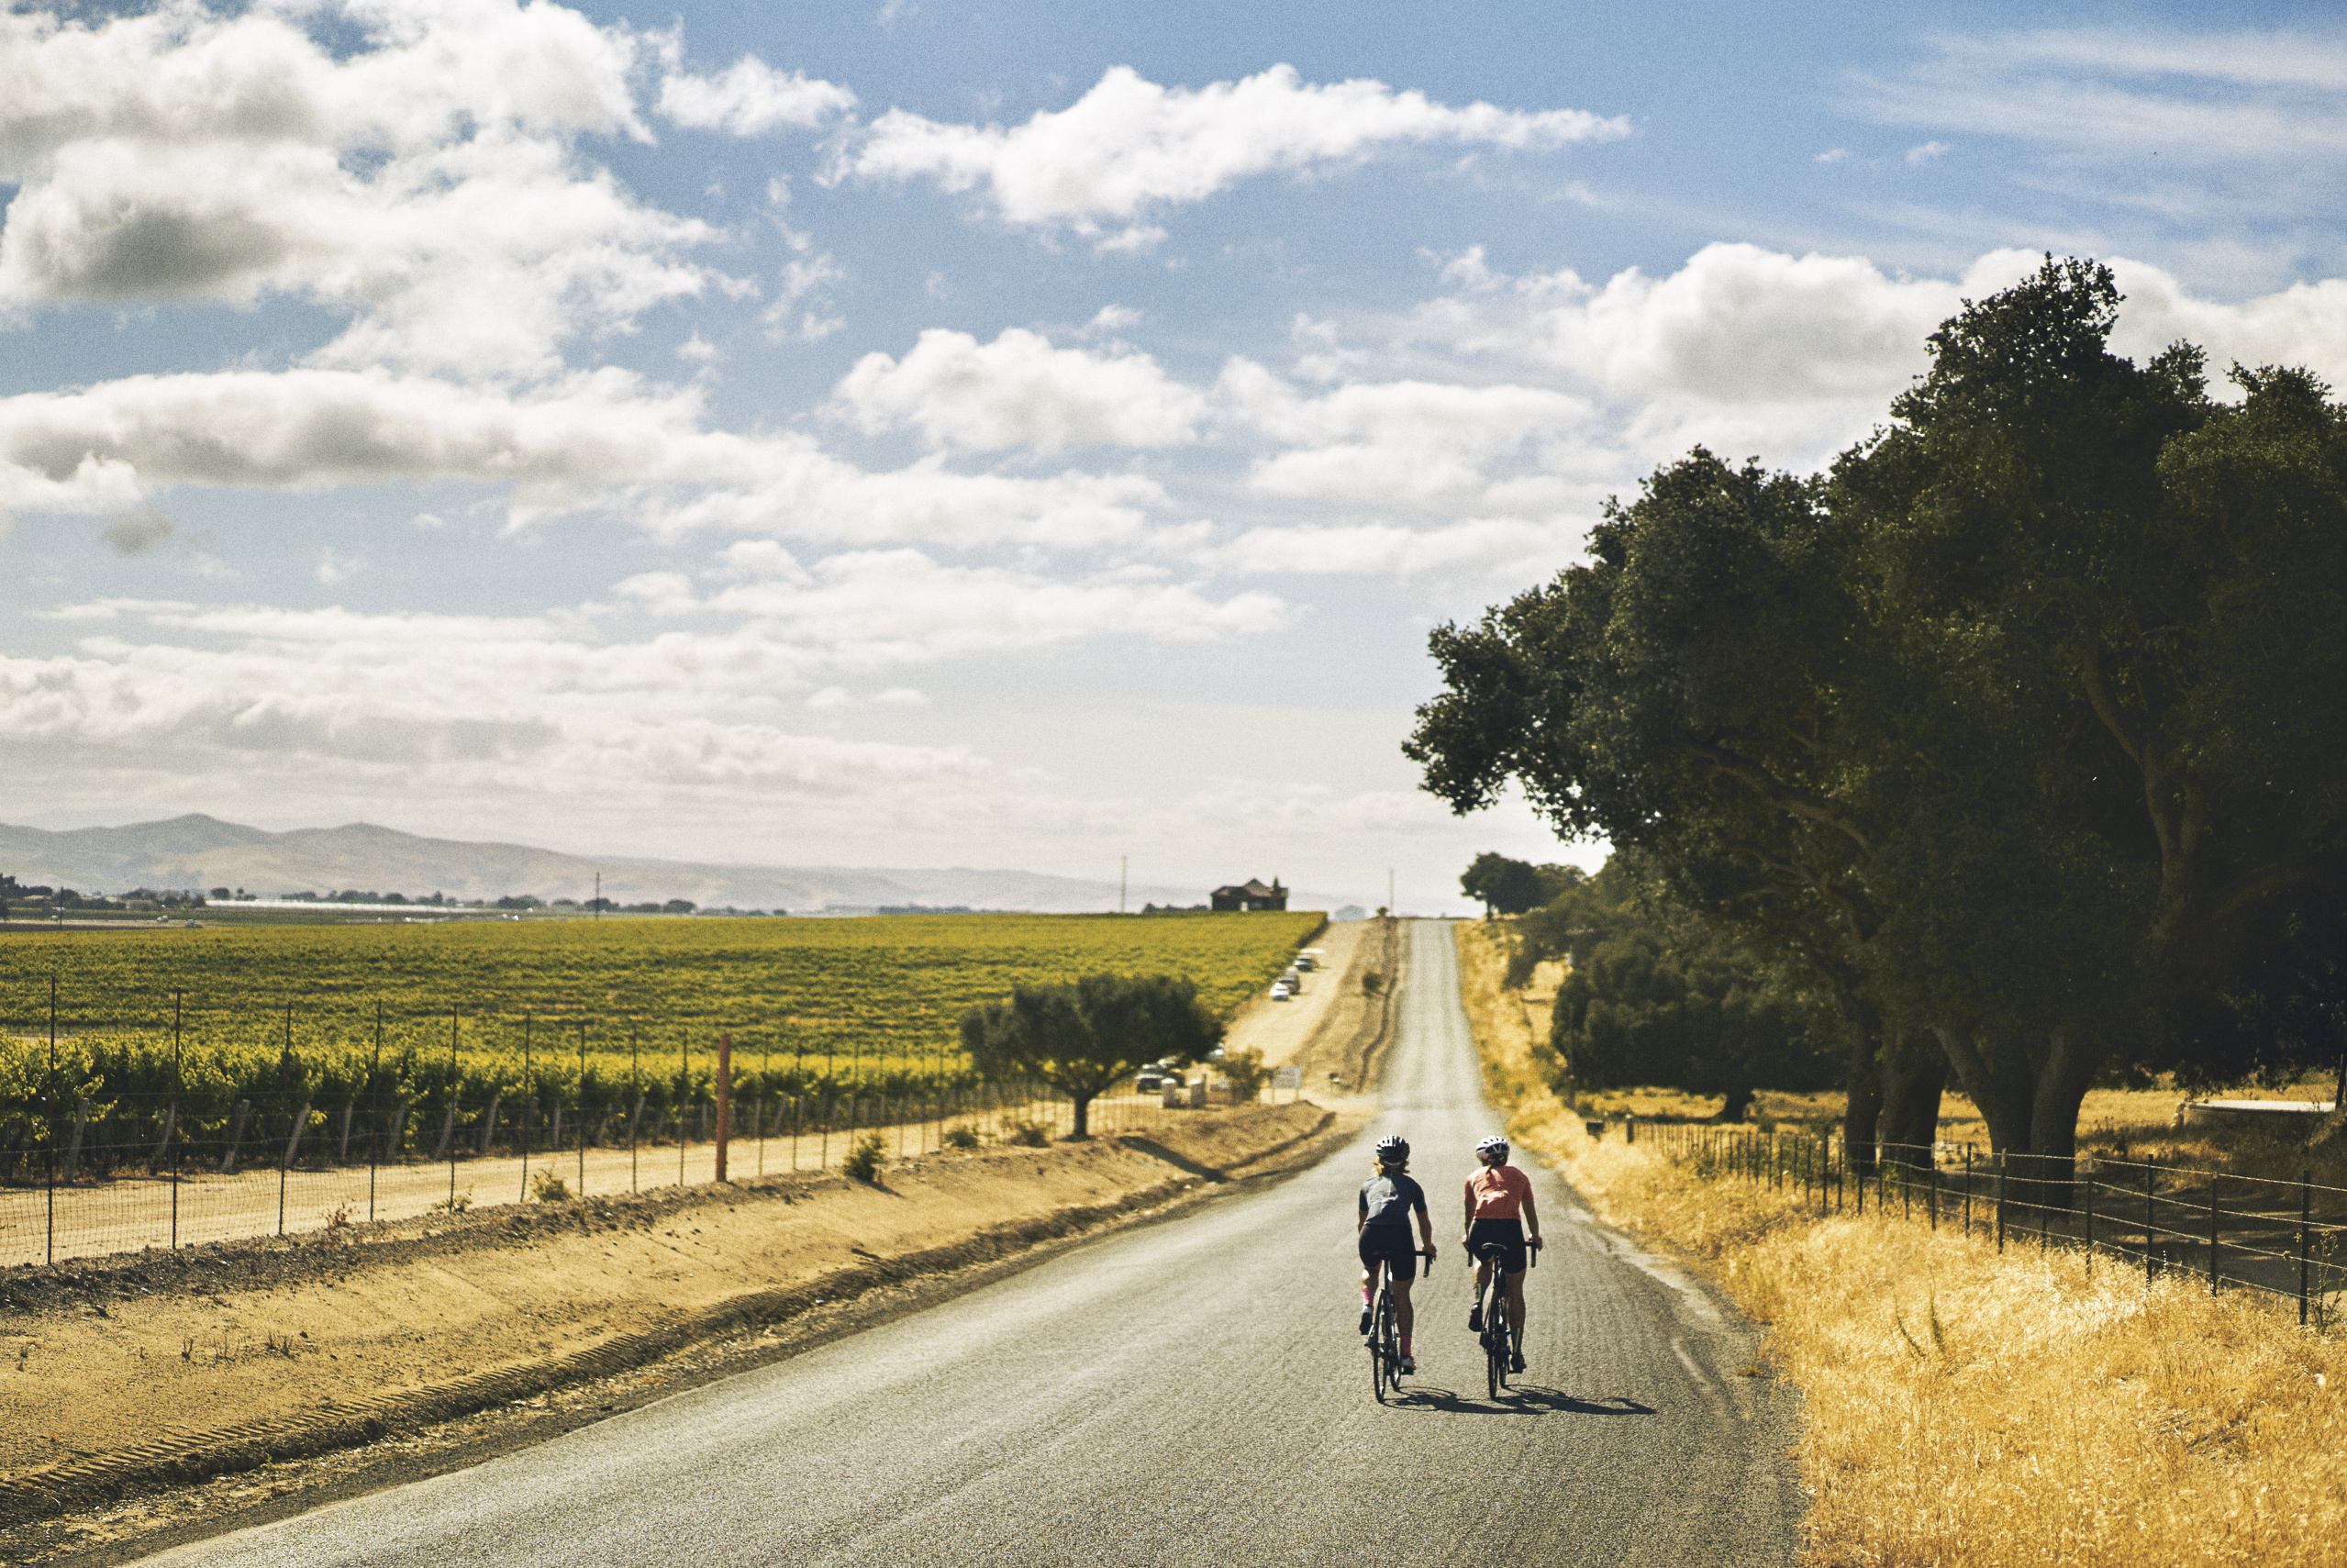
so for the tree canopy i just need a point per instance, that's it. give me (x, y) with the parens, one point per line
(1082, 1039)
(2016, 733)
(1505, 886)
(1655, 997)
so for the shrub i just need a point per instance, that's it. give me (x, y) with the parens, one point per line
(1371, 983)
(455, 1203)
(547, 1187)
(1028, 1135)
(1245, 1072)
(960, 1137)
(863, 1160)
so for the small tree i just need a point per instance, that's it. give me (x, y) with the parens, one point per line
(1245, 1072)
(1081, 1039)
(1502, 886)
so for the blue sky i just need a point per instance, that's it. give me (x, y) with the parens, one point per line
(930, 434)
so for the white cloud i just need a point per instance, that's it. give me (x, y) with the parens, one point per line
(596, 439)
(901, 696)
(1018, 390)
(831, 699)
(1504, 547)
(883, 607)
(1927, 152)
(805, 283)
(524, 706)
(750, 98)
(425, 183)
(1130, 145)
(1402, 443)
(137, 532)
(1832, 155)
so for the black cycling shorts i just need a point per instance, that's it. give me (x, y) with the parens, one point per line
(1503, 1233)
(1389, 1244)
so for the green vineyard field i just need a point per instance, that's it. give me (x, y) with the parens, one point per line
(332, 1012)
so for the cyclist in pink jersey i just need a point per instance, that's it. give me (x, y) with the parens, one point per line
(1501, 1213)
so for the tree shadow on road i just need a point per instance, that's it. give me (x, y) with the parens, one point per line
(1522, 1399)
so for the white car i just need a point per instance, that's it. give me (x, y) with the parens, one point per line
(1280, 992)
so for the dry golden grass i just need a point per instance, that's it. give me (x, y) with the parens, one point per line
(1967, 1410)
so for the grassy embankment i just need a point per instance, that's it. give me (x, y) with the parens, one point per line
(1967, 1410)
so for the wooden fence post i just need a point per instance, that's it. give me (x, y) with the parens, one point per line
(725, 1098)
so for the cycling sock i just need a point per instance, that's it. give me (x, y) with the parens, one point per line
(1364, 1295)
(1515, 1336)
(1405, 1344)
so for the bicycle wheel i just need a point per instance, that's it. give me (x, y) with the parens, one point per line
(1495, 1336)
(1381, 1346)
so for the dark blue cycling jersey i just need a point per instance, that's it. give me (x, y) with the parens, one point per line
(1389, 1200)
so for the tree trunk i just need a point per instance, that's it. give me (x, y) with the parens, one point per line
(2030, 1100)
(1864, 1083)
(1080, 1114)
(1738, 1103)
(1990, 1079)
(1909, 1122)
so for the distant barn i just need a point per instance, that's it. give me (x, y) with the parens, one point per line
(1251, 895)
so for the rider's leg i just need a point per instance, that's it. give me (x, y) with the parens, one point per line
(1403, 1315)
(1475, 1309)
(1516, 1307)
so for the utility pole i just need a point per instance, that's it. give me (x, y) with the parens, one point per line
(598, 895)
(1389, 894)
(1120, 883)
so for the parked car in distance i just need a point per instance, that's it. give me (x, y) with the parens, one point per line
(1280, 993)
(1151, 1079)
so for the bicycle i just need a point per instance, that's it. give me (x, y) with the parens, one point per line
(1497, 1342)
(1384, 1338)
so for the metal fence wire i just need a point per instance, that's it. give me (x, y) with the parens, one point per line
(2282, 1238)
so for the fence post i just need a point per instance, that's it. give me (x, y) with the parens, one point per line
(2089, 1181)
(2000, 1202)
(725, 1098)
(2306, 1217)
(1968, 1192)
(2212, 1233)
(2150, 1214)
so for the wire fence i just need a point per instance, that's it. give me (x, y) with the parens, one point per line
(2280, 1238)
(82, 1174)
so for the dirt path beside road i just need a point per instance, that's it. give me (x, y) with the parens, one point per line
(1333, 1026)
(114, 1367)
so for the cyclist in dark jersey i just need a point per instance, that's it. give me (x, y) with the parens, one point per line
(1388, 1199)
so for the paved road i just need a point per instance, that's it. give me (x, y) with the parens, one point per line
(1190, 1393)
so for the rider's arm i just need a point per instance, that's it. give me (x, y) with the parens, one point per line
(1426, 1229)
(1361, 1213)
(1532, 1218)
(1470, 1221)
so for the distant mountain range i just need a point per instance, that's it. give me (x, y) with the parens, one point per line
(204, 852)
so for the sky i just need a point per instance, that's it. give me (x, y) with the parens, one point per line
(927, 434)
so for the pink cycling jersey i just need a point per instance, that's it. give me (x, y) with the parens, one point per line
(1499, 1194)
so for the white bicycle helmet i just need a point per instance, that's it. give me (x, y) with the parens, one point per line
(1495, 1144)
(1391, 1148)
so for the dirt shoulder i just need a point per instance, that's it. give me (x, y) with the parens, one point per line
(153, 1369)
(1335, 1027)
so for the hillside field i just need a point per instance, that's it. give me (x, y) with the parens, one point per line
(296, 1008)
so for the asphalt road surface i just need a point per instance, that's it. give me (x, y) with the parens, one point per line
(1187, 1393)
